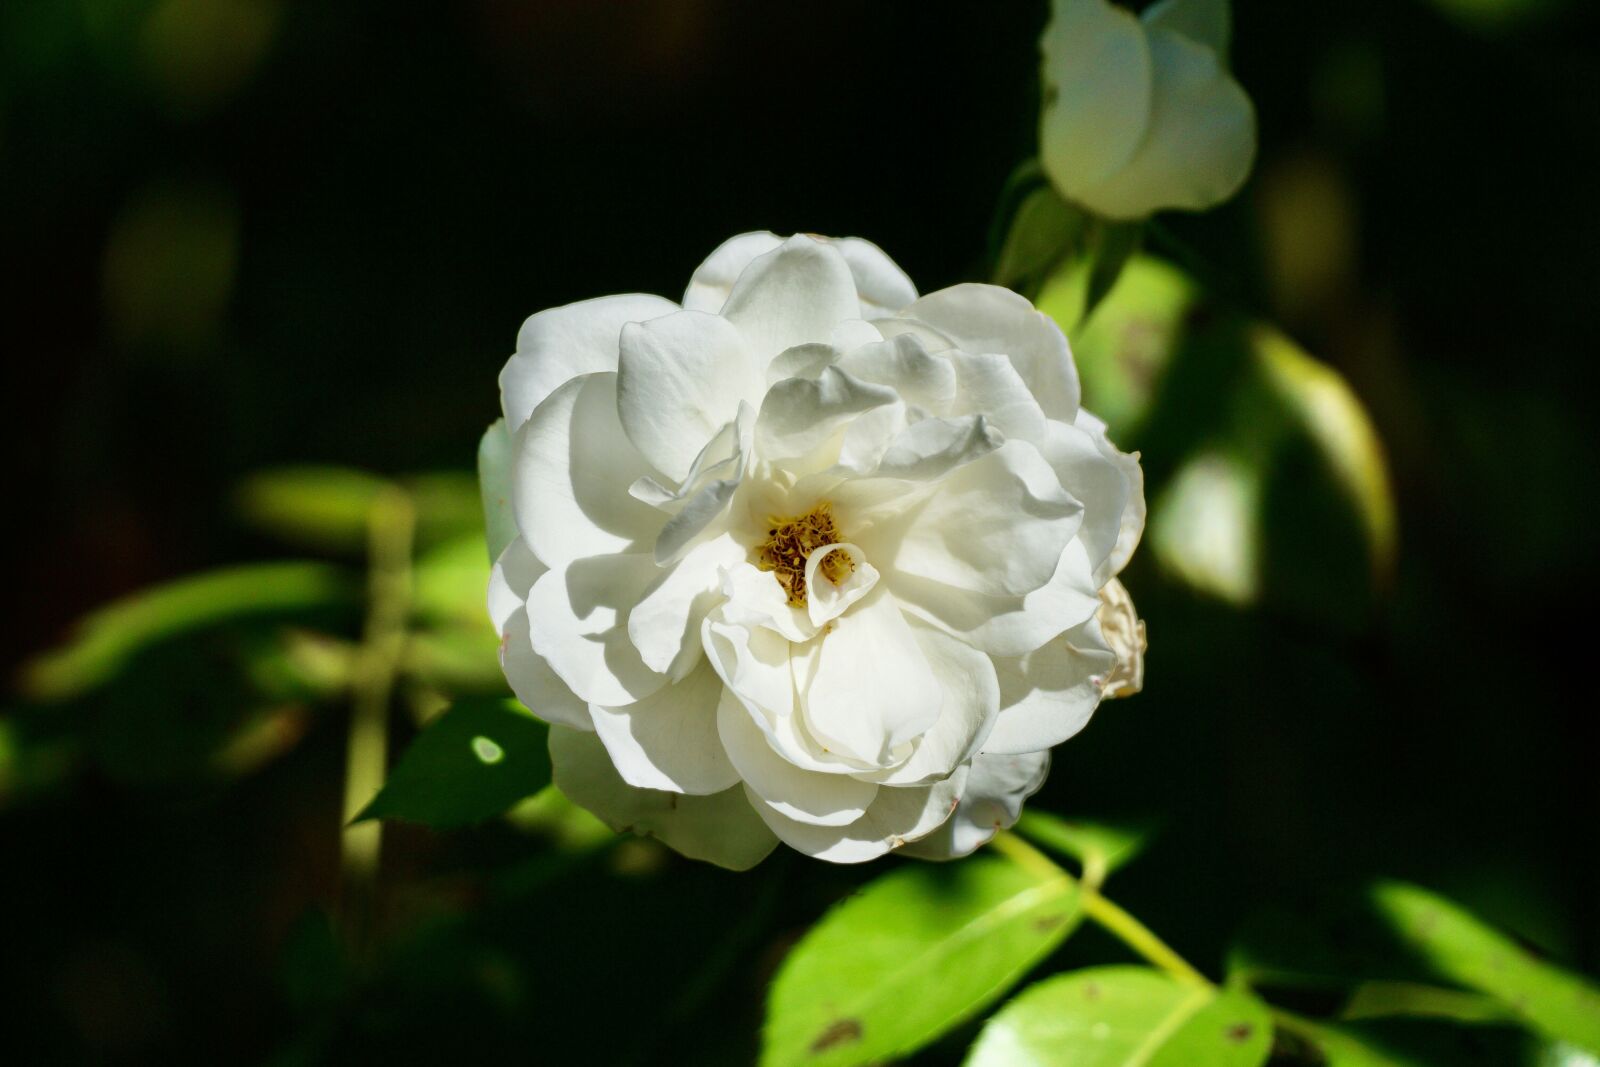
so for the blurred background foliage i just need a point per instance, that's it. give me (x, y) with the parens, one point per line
(263, 260)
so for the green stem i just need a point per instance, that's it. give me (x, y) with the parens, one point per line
(1110, 917)
(391, 525)
(1137, 936)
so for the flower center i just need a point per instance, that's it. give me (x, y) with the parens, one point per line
(790, 543)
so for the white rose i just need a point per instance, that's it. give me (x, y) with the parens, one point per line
(807, 558)
(1141, 114)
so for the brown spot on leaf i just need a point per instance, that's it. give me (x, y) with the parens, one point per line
(1048, 922)
(839, 1032)
(1239, 1033)
(1091, 991)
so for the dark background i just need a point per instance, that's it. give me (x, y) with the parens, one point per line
(241, 234)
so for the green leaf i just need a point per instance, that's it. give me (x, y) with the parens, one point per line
(1381, 999)
(318, 507)
(1097, 846)
(1125, 1017)
(473, 762)
(106, 639)
(1331, 1046)
(1044, 231)
(914, 954)
(1461, 947)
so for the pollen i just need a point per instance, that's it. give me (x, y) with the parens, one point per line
(790, 542)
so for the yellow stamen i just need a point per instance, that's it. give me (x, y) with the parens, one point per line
(790, 543)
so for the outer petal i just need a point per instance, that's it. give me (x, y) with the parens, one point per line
(578, 618)
(1200, 143)
(989, 384)
(996, 526)
(988, 318)
(570, 473)
(971, 702)
(532, 681)
(872, 688)
(794, 294)
(721, 828)
(1048, 695)
(882, 286)
(665, 624)
(713, 280)
(1097, 76)
(1000, 625)
(1207, 22)
(494, 483)
(680, 380)
(669, 739)
(777, 784)
(997, 786)
(1108, 482)
(558, 345)
(896, 816)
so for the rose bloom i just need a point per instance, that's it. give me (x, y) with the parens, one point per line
(1141, 113)
(807, 558)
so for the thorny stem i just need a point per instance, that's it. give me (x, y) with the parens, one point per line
(390, 526)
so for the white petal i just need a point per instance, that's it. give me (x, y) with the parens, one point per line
(755, 598)
(882, 286)
(1110, 485)
(570, 473)
(713, 280)
(971, 703)
(680, 380)
(997, 526)
(1097, 76)
(1000, 625)
(796, 293)
(513, 574)
(721, 828)
(669, 739)
(930, 449)
(904, 364)
(752, 661)
(532, 681)
(665, 624)
(1047, 695)
(1200, 143)
(709, 489)
(578, 616)
(996, 788)
(826, 600)
(988, 318)
(494, 483)
(558, 345)
(801, 361)
(800, 416)
(1207, 22)
(895, 817)
(989, 385)
(775, 782)
(872, 689)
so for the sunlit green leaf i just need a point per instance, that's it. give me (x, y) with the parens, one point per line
(1461, 947)
(450, 582)
(105, 640)
(914, 954)
(1097, 846)
(1125, 1017)
(319, 507)
(1267, 481)
(473, 762)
